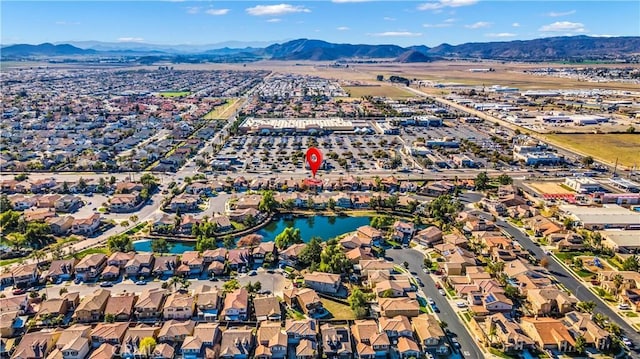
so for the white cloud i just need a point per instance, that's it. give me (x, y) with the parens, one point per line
(347, 1)
(397, 34)
(564, 26)
(436, 26)
(130, 39)
(450, 20)
(217, 12)
(500, 34)
(342, 28)
(603, 35)
(562, 13)
(271, 10)
(274, 20)
(389, 18)
(478, 25)
(193, 10)
(516, 24)
(439, 4)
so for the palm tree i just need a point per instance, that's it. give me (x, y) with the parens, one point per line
(617, 280)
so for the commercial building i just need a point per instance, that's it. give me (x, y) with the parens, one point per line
(582, 184)
(266, 126)
(621, 241)
(607, 216)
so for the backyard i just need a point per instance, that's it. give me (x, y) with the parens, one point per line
(338, 310)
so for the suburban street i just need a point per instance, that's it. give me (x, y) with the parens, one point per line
(574, 285)
(447, 314)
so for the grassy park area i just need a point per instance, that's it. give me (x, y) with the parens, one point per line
(175, 93)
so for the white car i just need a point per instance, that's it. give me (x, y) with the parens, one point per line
(442, 292)
(430, 300)
(626, 341)
(624, 306)
(461, 304)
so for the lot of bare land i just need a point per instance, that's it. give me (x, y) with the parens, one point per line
(223, 111)
(377, 90)
(549, 188)
(624, 147)
(505, 74)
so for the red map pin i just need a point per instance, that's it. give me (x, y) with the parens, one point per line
(314, 158)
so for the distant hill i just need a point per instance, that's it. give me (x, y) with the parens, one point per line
(412, 56)
(564, 48)
(552, 48)
(318, 50)
(46, 49)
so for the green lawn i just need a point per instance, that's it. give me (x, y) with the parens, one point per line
(583, 273)
(630, 314)
(92, 251)
(501, 354)
(175, 93)
(295, 314)
(339, 311)
(6, 262)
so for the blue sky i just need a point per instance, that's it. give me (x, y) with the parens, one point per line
(428, 22)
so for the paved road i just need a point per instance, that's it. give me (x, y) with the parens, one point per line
(447, 314)
(576, 287)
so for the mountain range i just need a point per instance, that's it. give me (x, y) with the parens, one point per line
(546, 49)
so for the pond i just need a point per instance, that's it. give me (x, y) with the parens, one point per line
(325, 227)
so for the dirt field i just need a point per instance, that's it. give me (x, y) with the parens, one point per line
(549, 187)
(606, 147)
(224, 111)
(384, 90)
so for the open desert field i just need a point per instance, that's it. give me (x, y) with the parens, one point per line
(606, 147)
(549, 188)
(224, 111)
(377, 90)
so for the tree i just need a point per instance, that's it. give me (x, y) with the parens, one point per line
(331, 204)
(587, 306)
(250, 240)
(358, 303)
(387, 293)
(426, 262)
(311, 252)
(228, 242)
(109, 318)
(160, 245)
(511, 291)
(230, 285)
(632, 263)
(288, 237)
(481, 181)
(495, 268)
(147, 345)
(617, 280)
(267, 202)
(62, 291)
(544, 262)
(333, 259)
(133, 218)
(581, 343)
(505, 179)
(5, 204)
(119, 243)
(587, 161)
(444, 208)
(204, 243)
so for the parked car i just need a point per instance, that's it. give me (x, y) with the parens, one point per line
(253, 272)
(461, 304)
(430, 300)
(141, 282)
(626, 341)
(106, 284)
(624, 306)
(435, 308)
(455, 342)
(442, 292)
(18, 291)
